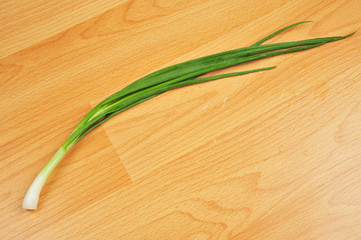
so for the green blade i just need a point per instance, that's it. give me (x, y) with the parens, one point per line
(117, 100)
(216, 77)
(278, 32)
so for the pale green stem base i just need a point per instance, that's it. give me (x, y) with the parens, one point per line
(32, 196)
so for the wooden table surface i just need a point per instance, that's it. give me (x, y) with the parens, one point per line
(270, 155)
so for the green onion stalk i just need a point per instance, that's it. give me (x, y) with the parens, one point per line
(156, 83)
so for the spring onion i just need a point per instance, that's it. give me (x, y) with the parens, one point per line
(156, 83)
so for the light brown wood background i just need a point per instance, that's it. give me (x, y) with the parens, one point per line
(271, 155)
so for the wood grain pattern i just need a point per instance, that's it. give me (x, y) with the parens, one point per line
(271, 155)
